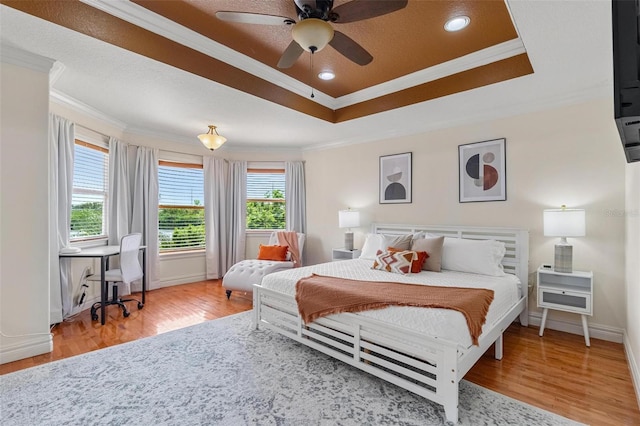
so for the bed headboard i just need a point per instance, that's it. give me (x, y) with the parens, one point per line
(515, 261)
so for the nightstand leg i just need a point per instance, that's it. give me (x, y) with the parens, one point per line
(586, 330)
(544, 320)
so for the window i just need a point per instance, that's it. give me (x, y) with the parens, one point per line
(265, 199)
(180, 206)
(90, 192)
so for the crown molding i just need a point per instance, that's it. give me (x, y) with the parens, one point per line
(56, 72)
(65, 100)
(473, 60)
(11, 54)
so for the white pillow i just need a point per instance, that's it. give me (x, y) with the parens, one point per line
(399, 242)
(475, 256)
(372, 244)
(375, 242)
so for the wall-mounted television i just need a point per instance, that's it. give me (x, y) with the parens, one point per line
(626, 74)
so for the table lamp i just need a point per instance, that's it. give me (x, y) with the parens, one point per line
(348, 219)
(564, 223)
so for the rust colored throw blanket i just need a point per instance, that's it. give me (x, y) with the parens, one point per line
(290, 239)
(319, 296)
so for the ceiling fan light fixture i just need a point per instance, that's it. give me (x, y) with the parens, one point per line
(212, 140)
(457, 23)
(326, 75)
(312, 34)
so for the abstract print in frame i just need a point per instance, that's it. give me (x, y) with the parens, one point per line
(482, 171)
(395, 178)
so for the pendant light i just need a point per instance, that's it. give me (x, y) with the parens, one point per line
(212, 140)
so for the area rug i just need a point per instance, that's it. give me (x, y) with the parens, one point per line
(223, 372)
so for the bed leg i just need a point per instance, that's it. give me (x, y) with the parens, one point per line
(256, 308)
(451, 413)
(498, 347)
(524, 317)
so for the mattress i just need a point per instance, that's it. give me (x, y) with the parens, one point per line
(444, 324)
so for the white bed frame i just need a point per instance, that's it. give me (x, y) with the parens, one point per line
(428, 366)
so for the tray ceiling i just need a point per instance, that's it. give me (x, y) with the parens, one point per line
(169, 68)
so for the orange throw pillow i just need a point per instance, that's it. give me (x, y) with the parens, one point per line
(272, 253)
(416, 265)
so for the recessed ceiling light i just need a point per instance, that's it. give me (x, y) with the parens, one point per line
(457, 23)
(326, 75)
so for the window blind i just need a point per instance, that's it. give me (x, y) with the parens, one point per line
(180, 207)
(90, 192)
(266, 199)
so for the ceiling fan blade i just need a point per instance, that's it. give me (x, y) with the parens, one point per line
(290, 55)
(253, 18)
(359, 10)
(350, 49)
(302, 3)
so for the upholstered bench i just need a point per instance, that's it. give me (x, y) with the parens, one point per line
(244, 274)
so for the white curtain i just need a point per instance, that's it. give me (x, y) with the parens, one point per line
(296, 211)
(119, 213)
(145, 209)
(237, 198)
(61, 141)
(225, 194)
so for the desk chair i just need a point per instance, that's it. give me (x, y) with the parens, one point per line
(129, 271)
(245, 273)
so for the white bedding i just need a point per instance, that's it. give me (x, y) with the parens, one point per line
(442, 323)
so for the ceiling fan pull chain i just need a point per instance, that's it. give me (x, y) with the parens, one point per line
(311, 61)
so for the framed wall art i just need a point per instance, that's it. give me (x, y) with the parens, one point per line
(482, 171)
(395, 178)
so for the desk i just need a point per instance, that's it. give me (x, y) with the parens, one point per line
(103, 253)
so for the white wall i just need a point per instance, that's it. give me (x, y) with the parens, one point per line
(24, 206)
(566, 156)
(632, 215)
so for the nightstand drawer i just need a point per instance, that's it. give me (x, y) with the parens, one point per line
(564, 300)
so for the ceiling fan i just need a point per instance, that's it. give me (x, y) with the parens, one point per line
(313, 31)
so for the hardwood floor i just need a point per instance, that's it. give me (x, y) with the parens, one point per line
(556, 372)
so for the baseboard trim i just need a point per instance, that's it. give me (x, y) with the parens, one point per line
(633, 367)
(596, 331)
(182, 279)
(31, 346)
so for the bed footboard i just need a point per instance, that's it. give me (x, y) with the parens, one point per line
(427, 366)
(418, 363)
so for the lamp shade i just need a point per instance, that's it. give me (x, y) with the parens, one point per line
(312, 34)
(212, 140)
(564, 223)
(348, 218)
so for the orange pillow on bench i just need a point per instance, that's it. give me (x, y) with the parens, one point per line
(272, 253)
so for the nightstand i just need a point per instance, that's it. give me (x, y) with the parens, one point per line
(344, 254)
(569, 292)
